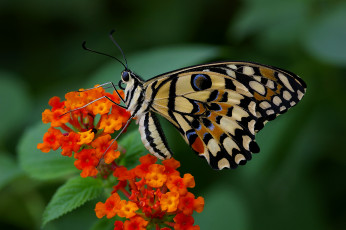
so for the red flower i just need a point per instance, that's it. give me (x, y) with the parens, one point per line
(118, 225)
(69, 144)
(184, 222)
(136, 223)
(51, 140)
(86, 161)
(188, 204)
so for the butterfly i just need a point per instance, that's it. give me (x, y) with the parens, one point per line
(218, 108)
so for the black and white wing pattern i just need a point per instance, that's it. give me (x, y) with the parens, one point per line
(218, 108)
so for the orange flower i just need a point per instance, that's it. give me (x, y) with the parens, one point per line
(169, 201)
(110, 156)
(178, 184)
(142, 169)
(121, 113)
(51, 140)
(102, 143)
(171, 165)
(86, 161)
(101, 106)
(146, 187)
(136, 223)
(155, 177)
(127, 209)
(69, 143)
(56, 104)
(184, 222)
(110, 123)
(123, 174)
(82, 126)
(86, 137)
(75, 100)
(55, 118)
(109, 208)
(188, 204)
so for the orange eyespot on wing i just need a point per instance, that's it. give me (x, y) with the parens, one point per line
(198, 146)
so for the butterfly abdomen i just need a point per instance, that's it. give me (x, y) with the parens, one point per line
(153, 137)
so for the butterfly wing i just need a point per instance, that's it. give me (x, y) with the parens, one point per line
(219, 107)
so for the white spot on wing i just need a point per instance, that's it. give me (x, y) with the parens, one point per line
(270, 84)
(258, 87)
(246, 142)
(232, 66)
(277, 101)
(223, 163)
(238, 113)
(252, 108)
(239, 157)
(300, 94)
(213, 146)
(248, 70)
(229, 125)
(264, 105)
(287, 95)
(229, 145)
(257, 78)
(270, 112)
(285, 81)
(230, 73)
(251, 126)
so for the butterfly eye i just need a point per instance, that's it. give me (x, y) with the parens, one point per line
(125, 76)
(200, 82)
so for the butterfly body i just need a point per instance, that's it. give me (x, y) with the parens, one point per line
(218, 108)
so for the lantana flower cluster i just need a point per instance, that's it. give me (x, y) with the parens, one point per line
(156, 195)
(84, 132)
(149, 195)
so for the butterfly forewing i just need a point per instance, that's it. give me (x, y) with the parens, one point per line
(219, 107)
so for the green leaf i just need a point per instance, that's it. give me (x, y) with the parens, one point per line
(157, 61)
(326, 38)
(39, 165)
(134, 147)
(71, 195)
(103, 224)
(132, 143)
(9, 170)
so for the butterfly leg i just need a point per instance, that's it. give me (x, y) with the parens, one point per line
(121, 131)
(124, 107)
(107, 83)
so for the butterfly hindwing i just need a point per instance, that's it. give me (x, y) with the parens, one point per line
(218, 108)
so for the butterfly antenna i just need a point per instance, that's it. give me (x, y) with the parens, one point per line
(94, 51)
(113, 40)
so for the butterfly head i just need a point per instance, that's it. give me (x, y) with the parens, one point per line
(125, 76)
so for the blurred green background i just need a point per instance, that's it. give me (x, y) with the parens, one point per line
(298, 179)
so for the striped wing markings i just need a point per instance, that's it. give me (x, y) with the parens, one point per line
(247, 81)
(183, 121)
(152, 136)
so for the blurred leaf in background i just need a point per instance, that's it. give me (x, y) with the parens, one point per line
(295, 182)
